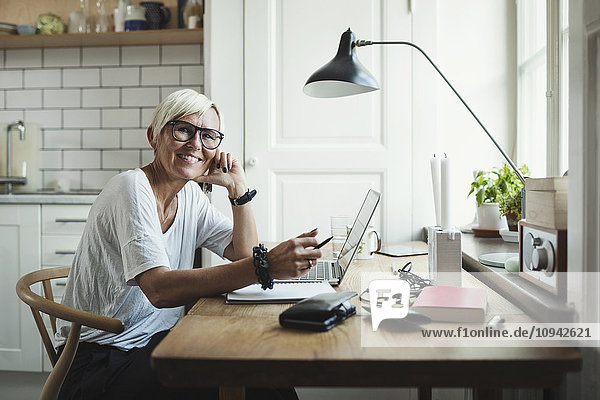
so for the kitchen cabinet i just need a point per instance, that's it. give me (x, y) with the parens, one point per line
(32, 236)
(62, 227)
(20, 237)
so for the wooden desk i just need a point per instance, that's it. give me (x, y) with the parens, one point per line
(233, 346)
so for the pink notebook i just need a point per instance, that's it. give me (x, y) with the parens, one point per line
(452, 304)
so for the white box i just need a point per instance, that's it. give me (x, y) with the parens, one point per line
(445, 256)
(546, 202)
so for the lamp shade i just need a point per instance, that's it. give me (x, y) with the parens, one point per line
(343, 76)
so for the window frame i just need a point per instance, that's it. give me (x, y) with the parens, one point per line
(552, 87)
(556, 118)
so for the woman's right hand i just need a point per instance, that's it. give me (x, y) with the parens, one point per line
(293, 257)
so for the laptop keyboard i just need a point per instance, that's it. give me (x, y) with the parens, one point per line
(318, 272)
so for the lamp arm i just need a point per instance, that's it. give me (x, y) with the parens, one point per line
(361, 43)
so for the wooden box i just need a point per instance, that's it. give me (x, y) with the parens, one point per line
(546, 202)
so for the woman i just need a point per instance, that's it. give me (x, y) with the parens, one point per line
(135, 256)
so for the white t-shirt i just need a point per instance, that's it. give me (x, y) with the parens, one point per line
(123, 238)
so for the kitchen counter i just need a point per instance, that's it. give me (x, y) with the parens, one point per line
(49, 198)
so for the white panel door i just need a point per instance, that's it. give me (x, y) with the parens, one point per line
(311, 158)
(20, 344)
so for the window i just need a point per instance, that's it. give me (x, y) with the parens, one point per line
(564, 88)
(542, 73)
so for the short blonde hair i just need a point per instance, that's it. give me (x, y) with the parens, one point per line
(179, 104)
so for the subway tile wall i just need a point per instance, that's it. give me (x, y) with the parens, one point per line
(93, 104)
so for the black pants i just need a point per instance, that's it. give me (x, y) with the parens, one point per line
(105, 372)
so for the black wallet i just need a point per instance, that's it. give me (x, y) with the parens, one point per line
(319, 313)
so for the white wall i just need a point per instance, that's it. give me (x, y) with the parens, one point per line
(93, 104)
(475, 47)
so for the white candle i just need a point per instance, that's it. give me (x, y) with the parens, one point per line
(445, 193)
(435, 180)
(24, 169)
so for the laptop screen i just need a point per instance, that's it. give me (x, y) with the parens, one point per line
(358, 229)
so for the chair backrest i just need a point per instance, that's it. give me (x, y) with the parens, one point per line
(54, 310)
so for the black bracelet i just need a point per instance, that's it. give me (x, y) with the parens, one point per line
(261, 266)
(243, 199)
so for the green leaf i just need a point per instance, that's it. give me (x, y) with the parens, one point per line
(490, 186)
(479, 197)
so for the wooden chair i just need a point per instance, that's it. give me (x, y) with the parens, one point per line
(55, 310)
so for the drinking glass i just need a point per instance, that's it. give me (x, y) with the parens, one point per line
(339, 225)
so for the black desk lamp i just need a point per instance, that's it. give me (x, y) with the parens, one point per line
(344, 75)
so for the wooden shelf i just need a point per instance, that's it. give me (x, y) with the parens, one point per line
(165, 36)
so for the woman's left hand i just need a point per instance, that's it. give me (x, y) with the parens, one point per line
(226, 171)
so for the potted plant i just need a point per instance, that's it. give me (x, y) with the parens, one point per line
(489, 188)
(510, 207)
(509, 202)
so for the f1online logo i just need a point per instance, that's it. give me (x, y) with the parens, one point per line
(389, 300)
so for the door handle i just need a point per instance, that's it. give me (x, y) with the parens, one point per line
(252, 161)
(61, 252)
(59, 220)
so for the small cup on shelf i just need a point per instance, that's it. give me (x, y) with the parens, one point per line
(194, 22)
(135, 19)
(26, 29)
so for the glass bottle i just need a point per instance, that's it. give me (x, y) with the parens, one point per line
(192, 14)
(101, 21)
(120, 14)
(77, 20)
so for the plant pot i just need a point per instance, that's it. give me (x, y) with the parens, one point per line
(489, 217)
(512, 222)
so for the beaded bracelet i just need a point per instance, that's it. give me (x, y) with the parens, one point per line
(261, 266)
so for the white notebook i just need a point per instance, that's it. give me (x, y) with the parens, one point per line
(282, 292)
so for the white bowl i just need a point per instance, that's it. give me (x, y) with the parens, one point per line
(509, 236)
(26, 29)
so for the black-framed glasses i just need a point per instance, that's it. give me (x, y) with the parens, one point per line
(184, 131)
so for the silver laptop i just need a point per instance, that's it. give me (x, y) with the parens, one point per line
(334, 270)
